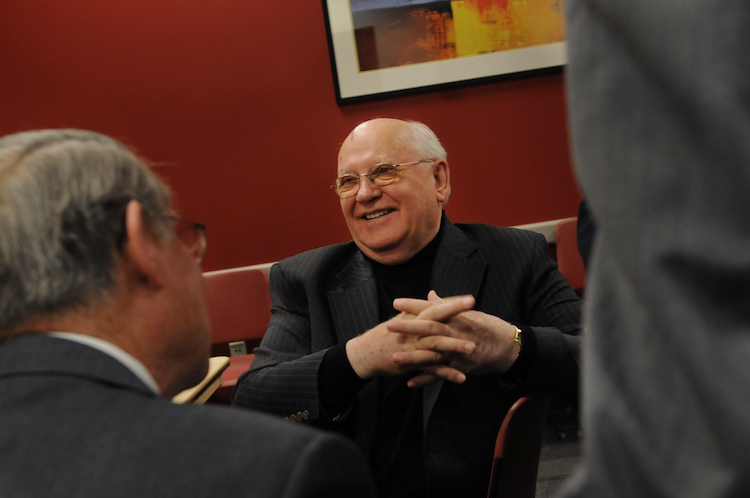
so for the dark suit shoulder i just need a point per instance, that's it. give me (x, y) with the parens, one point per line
(483, 233)
(114, 442)
(326, 259)
(497, 244)
(300, 283)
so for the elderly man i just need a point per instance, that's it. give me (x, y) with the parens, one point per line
(101, 313)
(415, 338)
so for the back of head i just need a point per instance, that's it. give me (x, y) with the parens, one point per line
(63, 195)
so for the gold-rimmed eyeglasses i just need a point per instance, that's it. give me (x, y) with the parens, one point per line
(192, 235)
(380, 175)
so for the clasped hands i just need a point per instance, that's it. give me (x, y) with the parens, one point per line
(444, 338)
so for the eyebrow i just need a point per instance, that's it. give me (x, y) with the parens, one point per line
(347, 171)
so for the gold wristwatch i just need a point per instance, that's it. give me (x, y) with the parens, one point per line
(517, 338)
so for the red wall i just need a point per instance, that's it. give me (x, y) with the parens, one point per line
(234, 100)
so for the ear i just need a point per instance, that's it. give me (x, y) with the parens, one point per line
(442, 174)
(142, 250)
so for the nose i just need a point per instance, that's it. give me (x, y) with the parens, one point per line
(367, 190)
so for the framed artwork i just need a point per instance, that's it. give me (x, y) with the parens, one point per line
(384, 46)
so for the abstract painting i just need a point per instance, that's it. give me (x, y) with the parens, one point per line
(382, 46)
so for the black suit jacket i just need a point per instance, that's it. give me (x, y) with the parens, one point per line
(77, 423)
(326, 296)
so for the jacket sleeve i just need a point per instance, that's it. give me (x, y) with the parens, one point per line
(283, 378)
(553, 311)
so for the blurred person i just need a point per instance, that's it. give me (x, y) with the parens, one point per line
(660, 121)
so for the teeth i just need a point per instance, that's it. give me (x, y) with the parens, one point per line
(377, 214)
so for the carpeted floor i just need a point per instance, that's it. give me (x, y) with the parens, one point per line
(558, 460)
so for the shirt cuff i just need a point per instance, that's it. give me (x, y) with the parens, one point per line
(338, 383)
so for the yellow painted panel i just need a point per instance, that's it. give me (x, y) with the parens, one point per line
(483, 26)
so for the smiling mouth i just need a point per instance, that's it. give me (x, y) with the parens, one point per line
(377, 214)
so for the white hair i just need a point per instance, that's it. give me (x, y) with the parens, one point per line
(420, 138)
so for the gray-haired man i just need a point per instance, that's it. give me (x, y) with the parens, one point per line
(101, 312)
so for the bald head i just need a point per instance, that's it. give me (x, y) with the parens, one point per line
(400, 134)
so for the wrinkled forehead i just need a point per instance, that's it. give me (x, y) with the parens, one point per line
(368, 146)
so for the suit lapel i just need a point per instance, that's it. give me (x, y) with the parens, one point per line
(354, 303)
(354, 308)
(453, 274)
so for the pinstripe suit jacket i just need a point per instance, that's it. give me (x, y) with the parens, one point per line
(328, 295)
(76, 422)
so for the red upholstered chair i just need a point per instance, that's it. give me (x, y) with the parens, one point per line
(568, 258)
(518, 447)
(239, 304)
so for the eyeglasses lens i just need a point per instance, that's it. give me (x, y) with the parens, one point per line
(347, 185)
(381, 175)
